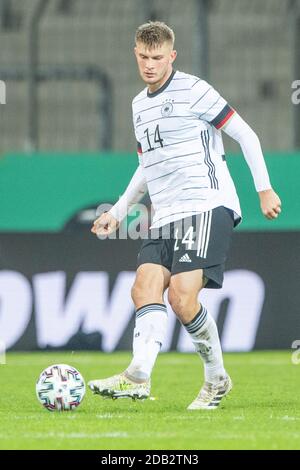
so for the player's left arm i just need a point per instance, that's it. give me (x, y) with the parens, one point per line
(239, 130)
(207, 104)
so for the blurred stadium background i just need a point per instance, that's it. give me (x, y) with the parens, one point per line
(67, 145)
(245, 49)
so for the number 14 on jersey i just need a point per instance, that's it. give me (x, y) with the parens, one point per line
(157, 138)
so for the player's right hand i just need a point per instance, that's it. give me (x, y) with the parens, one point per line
(105, 224)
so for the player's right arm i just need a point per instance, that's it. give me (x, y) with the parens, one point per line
(108, 222)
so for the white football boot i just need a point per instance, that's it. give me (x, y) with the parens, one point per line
(120, 386)
(211, 395)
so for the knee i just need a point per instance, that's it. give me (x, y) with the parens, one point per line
(144, 292)
(149, 285)
(180, 300)
(137, 292)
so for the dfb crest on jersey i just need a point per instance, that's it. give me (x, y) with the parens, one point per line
(167, 108)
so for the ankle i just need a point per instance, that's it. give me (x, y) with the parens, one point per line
(136, 376)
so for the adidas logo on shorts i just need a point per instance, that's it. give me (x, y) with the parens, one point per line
(185, 259)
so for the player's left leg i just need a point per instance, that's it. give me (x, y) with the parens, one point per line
(200, 251)
(183, 296)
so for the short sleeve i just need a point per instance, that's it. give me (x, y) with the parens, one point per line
(209, 105)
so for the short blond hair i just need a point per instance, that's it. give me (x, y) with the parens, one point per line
(154, 34)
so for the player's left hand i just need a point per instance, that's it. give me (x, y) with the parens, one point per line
(270, 203)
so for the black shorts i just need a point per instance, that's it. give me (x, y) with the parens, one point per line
(198, 242)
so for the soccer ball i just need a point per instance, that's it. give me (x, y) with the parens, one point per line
(60, 387)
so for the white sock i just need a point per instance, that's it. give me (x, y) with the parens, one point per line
(148, 336)
(204, 333)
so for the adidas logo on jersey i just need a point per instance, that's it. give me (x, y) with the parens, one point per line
(138, 119)
(185, 259)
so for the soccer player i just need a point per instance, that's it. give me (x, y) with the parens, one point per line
(178, 121)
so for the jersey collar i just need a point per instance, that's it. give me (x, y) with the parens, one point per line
(163, 87)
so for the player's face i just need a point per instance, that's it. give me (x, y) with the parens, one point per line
(155, 65)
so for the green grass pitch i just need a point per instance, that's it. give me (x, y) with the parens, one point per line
(262, 411)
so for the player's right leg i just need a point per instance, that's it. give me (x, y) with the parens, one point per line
(150, 328)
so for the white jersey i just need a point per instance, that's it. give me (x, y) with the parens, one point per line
(181, 150)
